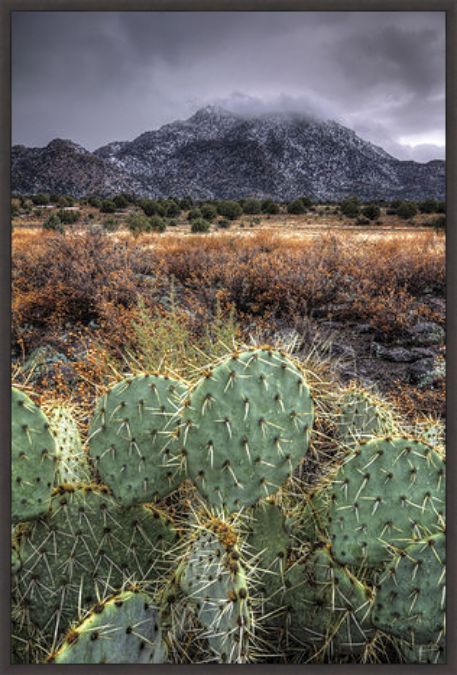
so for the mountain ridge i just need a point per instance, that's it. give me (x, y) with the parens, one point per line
(217, 154)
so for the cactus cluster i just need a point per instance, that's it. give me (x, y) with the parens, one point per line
(183, 530)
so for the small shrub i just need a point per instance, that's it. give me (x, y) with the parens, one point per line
(428, 206)
(270, 207)
(208, 211)
(307, 203)
(157, 224)
(40, 199)
(194, 214)
(53, 223)
(108, 206)
(121, 202)
(138, 223)
(296, 207)
(110, 224)
(95, 202)
(361, 220)
(68, 217)
(172, 222)
(223, 223)
(406, 210)
(350, 207)
(200, 225)
(229, 209)
(172, 209)
(149, 207)
(251, 206)
(371, 211)
(186, 203)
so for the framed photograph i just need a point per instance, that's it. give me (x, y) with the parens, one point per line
(229, 229)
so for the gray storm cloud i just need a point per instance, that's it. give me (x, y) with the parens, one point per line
(95, 77)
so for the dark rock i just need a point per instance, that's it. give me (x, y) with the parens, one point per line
(426, 333)
(395, 354)
(363, 328)
(427, 372)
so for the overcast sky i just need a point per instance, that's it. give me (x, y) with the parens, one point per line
(95, 77)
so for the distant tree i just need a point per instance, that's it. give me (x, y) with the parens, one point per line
(350, 207)
(223, 223)
(428, 206)
(194, 213)
(53, 223)
(395, 204)
(157, 224)
(108, 206)
(252, 206)
(137, 223)
(172, 209)
(441, 207)
(296, 207)
(121, 202)
(200, 225)
(95, 202)
(186, 203)
(229, 209)
(208, 211)
(371, 211)
(269, 206)
(307, 202)
(407, 210)
(40, 199)
(68, 217)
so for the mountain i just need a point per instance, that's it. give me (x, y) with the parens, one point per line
(217, 154)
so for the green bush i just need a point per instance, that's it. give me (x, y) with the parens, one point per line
(428, 206)
(296, 207)
(110, 224)
(194, 213)
(172, 209)
(371, 211)
(108, 206)
(95, 202)
(307, 202)
(208, 211)
(361, 220)
(252, 206)
(137, 223)
(149, 207)
(350, 207)
(68, 217)
(407, 210)
(121, 202)
(441, 207)
(439, 222)
(172, 222)
(229, 209)
(269, 206)
(200, 225)
(186, 203)
(157, 224)
(40, 199)
(64, 200)
(223, 223)
(53, 223)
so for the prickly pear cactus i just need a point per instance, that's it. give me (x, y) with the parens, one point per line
(245, 427)
(72, 463)
(362, 416)
(423, 654)
(87, 544)
(328, 607)
(214, 579)
(33, 455)
(123, 629)
(389, 491)
(411, 600)
(131, 438)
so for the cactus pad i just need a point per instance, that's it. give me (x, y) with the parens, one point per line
(246, 426)
(410, 602)
(214, 580)
(123, 629)
(33, 457)
(72, 463)
(131, 438)
(362, 416)
(388, 492)
(87, 544)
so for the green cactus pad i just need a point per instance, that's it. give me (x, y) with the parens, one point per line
(328, 607)
(362, 416)
(72, 462)
(214, 580)
(388, 492)
(33, 455)
(123, 629)
(87, 544)
(270, 541)
(410, 601)
(131, 438)
(424, 654)
(245, 427)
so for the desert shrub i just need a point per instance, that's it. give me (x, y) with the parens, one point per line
(296, 207)
(138, 223)
(157, 224)
(371, 211)
(223, 223)
(121, 202)
(194, 213)
(361, 220)
(149, 207)
(406, 210)
(350, 207)
(269, 206)
(307, 202)
(208, 212)
(172, 222)
(251, 206)
(53, 223)
(428, 206)
(95, 202)
(394, 204)
(68, 217)
(40, 199)
(172, 209)
(200, 225)
(186, 203)
(439, 222)
(15, 207)
(441, 207)
(229, 209)
(63, 200)
(108, 206)
(110, 224)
